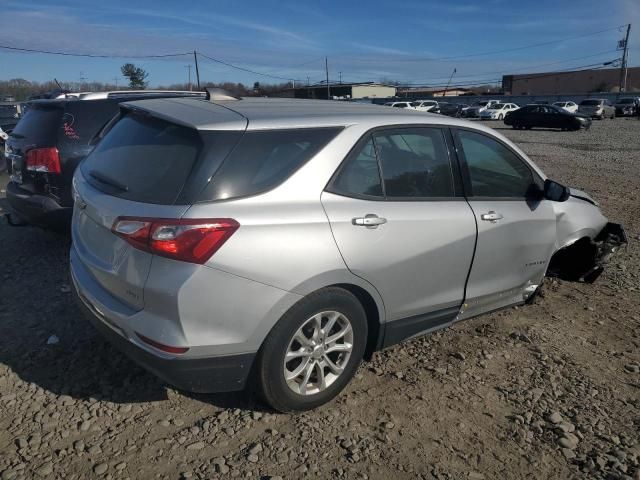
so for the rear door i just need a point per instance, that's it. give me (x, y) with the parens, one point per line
(401, 222)
(138, 170)
(516, 228)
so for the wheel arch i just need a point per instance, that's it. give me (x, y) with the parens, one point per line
(367, 295)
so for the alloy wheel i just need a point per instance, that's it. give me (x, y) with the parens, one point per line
(318, 353)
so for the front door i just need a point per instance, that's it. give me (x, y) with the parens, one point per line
(401, 222)
(516, 227)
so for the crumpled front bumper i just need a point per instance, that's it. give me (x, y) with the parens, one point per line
(586, 259)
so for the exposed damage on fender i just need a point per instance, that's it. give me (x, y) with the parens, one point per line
(584, 260)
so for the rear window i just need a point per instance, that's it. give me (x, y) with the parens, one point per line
(262, 160)
(39, 126)
(8, 111)
(590, 102)
(143, 159)
(82, 120)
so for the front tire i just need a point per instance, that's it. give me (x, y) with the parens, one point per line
(313, 351)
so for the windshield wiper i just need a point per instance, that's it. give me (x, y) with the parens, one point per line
(16, 135)
(102, 178)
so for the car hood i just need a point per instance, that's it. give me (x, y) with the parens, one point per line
(581, 195)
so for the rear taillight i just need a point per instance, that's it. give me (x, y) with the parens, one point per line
(46, 160)
(188, 240)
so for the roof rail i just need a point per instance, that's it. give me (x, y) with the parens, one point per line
(214, 93)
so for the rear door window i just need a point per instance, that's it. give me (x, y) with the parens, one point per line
(143, 159)
(262, 160)
(415, 163)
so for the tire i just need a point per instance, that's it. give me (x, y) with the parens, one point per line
(327, 304)
(500, 117)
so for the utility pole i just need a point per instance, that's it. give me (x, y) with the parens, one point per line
(195, 57)
(449, 83)
(624, 45)
(340, 73)
(188, 67)
(326, 69)
(82, 79)
(115, 79)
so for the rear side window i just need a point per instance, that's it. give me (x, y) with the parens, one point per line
(262, 160)
(143, 159)
(39, 126)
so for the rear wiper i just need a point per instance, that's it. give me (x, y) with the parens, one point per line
(16, 135)
(102, 178)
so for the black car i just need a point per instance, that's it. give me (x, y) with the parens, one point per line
(46, 146)
(546, 116)
(9, 115)
(451, 109)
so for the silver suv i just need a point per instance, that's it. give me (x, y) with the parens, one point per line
(283, 241)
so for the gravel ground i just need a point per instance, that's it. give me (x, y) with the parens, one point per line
(548, 391)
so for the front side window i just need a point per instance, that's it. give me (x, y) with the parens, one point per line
(414, 163)
(494, 170)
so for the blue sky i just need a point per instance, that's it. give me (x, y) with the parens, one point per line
(404, 40)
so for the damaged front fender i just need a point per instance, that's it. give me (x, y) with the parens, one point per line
(584, 260)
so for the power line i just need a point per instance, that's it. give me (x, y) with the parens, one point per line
(89, 55)
(583, 68)
(507, 50)
(222, 62)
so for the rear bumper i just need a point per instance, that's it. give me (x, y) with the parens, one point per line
(224, 373)
(37, 209)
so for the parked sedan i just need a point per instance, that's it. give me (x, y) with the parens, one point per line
(424, 105)
(313, 234)
(498, 111)
(451, 109)
(599, 108)
(570, 107)
(399, 105)
(546, 116)
(627, 106)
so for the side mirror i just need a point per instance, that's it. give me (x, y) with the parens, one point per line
(556, 192)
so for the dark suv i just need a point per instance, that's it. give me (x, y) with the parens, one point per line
(46, 146)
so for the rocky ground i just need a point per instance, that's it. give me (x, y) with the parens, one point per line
(548, 391)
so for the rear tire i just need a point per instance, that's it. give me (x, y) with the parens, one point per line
(324, 366)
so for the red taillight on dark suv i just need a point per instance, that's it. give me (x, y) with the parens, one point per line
(187, 240)
(45, 160)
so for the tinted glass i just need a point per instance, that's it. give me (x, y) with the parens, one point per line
(359, 175)
(262, 160)
(590, 102)
(415, 163)
(81, 121)
(143, 159)
(495, 170)
(8, 111)
(39, 125)
(400, 105)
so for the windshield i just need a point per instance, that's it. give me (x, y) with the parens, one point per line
(590, 103)
(416, 104)
(626, 100)
(496, 106)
